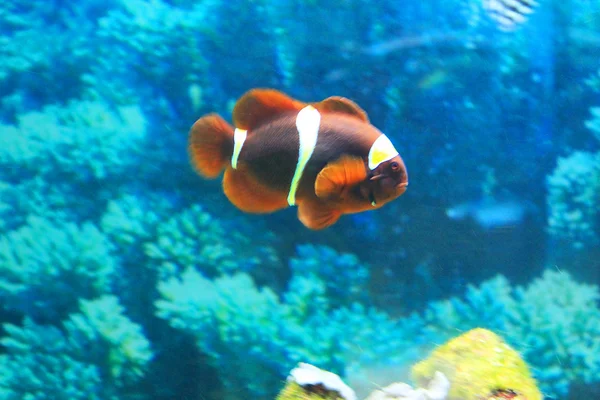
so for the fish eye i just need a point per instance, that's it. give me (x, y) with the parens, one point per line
(395, 166)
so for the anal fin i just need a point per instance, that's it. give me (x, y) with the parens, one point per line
(249, 195)
(316, 215)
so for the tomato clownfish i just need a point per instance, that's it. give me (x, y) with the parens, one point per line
(324, 157)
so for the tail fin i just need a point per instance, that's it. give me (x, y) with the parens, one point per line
(210, 145)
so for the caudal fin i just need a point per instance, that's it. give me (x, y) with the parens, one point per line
(210, 145)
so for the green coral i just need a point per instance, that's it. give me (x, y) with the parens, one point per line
(102, 330)
(554, 322)
(195, 238)
(594, 124)
(573, 198)
(81, 141)
(230, 316)
(45, 267)
(97, 354)
(479, 364)
(86, 149)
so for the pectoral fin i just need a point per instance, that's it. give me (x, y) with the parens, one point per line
(315, 215)
(334, 181)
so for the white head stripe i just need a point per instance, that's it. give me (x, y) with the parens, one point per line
(382, 150)
(239, 137)
(307, 122)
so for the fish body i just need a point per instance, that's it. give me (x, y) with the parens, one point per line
(326, 158)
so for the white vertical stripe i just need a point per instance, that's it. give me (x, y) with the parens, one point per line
(307, 122)
(239, 137)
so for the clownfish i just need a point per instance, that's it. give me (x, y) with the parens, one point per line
(326, 158)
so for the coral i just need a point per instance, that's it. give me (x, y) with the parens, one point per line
(98, 354)
(573, 198)
(79, 142)
(437, 389)
(46, 369)
(558, 331)
(195, 238)
(345, 278)
(554, 323)
(70, 159)
(479, 365)
(308, 382)
(149, 46)
(46, 48)
(229, 317)
(45, 267)
(103, 332)
(594, 124)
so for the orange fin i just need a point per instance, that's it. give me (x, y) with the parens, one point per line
(260, 105)
(339, 176)
(210, 145)
(315, 215)
(342, 105)
(249, 195)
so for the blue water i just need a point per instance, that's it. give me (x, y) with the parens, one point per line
(125, 275)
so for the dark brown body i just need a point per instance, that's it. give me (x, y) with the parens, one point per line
(271, 151)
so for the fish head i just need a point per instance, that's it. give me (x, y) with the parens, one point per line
(386, 182)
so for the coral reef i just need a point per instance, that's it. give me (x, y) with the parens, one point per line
(97, 354)
(573, 198)
(122, 276)
(551, 322)
(46, 267)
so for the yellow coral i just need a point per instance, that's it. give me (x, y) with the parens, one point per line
(293, 391)
(479, 365)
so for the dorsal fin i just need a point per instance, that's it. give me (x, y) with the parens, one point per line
(342, 105)
(260, 105)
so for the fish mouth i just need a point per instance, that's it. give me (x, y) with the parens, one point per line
(401, 188)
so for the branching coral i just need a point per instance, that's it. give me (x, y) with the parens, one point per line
(554, 322)
(573, 198)
(70, 159)
(97, 354)
(195, 238)
(594, 124)
(79, 142)
(252, 336)
(45, 267)
(345, 278)
(45, 50)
